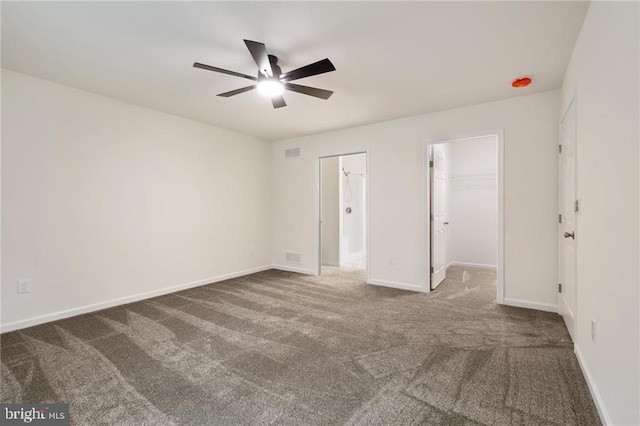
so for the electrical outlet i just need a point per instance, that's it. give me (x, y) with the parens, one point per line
(392, 261)
(251, 251)
(24, 286)
(593, 330)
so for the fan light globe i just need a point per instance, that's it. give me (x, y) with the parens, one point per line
(270, 88)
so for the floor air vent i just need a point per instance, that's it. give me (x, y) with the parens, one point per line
(292, 257)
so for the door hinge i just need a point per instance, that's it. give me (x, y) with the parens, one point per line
(431, 216)
(559, 149)
(559, 288)
(560, 218)
(430, 163)
(432, 269)
(577, 206)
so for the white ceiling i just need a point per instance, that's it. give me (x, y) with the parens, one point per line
(392, 59)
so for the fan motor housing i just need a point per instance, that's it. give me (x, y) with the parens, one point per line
(277, 71)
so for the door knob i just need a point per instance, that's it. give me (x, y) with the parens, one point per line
(446, 223)
(570, 235)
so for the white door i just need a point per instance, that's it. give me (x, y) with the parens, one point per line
(567, 226)
(438, 201)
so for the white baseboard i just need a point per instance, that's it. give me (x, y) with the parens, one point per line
(29, 322)
(401, 286)
(299, 270)
(472, 265)
(331, 263)
(602, 411)
(531, 305)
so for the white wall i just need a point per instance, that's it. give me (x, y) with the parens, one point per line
(331, 211)
(353, 240)
(604, 74)
(472, 202)
(103, 200)
(397, 200)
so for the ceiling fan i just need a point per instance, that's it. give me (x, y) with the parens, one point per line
(271, 81)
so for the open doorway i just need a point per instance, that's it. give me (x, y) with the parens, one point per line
(465, 211)
(343, 215)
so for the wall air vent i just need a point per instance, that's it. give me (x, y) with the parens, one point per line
(292, 152)
(291, 257)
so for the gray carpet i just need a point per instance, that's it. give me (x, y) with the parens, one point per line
(281, 348)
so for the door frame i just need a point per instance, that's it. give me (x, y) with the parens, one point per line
(499, 134)
(318, 209)
(573, 102)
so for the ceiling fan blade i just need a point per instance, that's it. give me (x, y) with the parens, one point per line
(259, 53)
(311, 91)
(278, 102)
(316, 68)
(220, 70)
(237, 91)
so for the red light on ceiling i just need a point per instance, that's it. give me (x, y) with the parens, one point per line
(521, 82)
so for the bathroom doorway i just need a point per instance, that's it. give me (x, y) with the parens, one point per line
(343, 215)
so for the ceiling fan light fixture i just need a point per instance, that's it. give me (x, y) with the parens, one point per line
(271, 81)
(270, 87)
